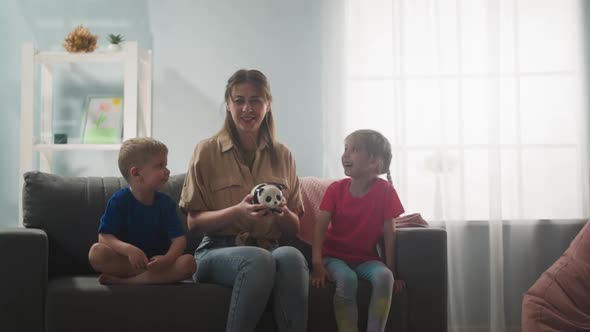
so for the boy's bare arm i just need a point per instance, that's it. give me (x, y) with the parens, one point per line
(136, 256)
(120, 247)
(163, 261)
(176, 248)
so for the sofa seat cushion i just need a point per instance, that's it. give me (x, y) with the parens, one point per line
(89, 306)
(321, 311)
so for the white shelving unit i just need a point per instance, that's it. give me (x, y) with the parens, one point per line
(137, 102)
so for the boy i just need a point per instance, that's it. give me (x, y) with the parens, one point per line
(141, 239)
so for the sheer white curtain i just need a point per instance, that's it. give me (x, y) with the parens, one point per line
(484, 104)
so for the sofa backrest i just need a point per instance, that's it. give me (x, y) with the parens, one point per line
(68, 209)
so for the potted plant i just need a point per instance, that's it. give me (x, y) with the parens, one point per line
(115, 42)
(80, 40)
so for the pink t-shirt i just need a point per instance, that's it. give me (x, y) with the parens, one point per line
(357, 222)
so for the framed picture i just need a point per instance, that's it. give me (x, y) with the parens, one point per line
(103, 120)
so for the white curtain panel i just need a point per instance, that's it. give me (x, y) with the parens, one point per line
(484, 102)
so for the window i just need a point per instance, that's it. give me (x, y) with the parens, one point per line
(483, 102)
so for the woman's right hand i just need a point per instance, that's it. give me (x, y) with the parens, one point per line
(137, 258)
(247, 210)
(319, 275)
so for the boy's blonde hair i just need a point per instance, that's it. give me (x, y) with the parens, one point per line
(136, 152)
(376, 145)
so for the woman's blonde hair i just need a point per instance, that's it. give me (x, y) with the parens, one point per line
(376, 145)
(136, 152)
(258, 80)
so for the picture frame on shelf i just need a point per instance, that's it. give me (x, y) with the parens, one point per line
(103, 120)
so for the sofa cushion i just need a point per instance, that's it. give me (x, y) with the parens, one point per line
(321, 310)
(69, 210)
(84, 303)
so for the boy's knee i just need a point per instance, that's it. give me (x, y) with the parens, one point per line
(187, 264)
(97, 254)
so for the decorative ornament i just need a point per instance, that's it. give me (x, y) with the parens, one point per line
(80, 40)
(115, 40)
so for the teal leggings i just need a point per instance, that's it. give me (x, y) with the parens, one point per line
(346, 278)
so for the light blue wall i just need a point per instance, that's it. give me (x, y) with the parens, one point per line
(196, 46)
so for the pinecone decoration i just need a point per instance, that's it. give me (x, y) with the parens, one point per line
(80, 40)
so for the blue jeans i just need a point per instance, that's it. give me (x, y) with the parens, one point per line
(255, 274)
(346, 278)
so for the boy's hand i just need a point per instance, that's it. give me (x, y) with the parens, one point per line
(158, 262)
(319, 275)
(137, 258)
(398, 285)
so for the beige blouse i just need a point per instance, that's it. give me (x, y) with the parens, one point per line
(218, 178)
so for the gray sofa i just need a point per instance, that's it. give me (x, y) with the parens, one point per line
(47, 284)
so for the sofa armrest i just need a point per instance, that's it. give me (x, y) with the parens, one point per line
(421, 261)
(23, 281)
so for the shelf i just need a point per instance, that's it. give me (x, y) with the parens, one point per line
(75, 147)
(66, 57)
(37, 91)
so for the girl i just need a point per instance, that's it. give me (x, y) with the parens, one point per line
(361, 210)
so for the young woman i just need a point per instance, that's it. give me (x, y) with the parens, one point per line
(221, 174)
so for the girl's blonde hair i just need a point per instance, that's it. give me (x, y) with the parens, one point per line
(376, 145)
(136, 152)
(267, 128)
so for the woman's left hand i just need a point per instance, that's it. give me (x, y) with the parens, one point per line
(280, 210)
(287, 220)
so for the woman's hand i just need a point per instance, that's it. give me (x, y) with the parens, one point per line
(247, 210)
(319, 275)
(280, 210)
(287, 220)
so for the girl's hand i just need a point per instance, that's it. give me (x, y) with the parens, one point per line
(137, 258)
(319, 275)
(398, 285)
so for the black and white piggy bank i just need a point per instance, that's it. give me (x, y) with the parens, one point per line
(268, 194)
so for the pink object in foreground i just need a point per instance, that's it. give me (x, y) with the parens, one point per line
(560, 299)
(411, 220)
(312, 191)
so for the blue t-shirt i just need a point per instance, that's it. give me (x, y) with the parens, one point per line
(148, 227)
